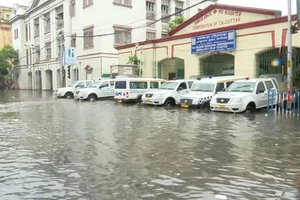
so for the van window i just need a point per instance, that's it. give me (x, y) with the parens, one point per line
(112, 83)
(104, 84)
(81, 84)
(154, 85)
(220, 87)
(183, 85)
(138, 85)
(269, 84)
(228, 84)
(275, 82)
(260, 86)
(190, 84)
(120, 85)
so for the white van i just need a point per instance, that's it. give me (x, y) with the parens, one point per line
(202, 91)
(68, 92)
(246, 95)
(98, 90)
(132, 89)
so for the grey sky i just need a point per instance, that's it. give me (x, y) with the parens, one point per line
(271, 4)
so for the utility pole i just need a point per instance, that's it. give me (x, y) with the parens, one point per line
(61, 58)
(289, 50)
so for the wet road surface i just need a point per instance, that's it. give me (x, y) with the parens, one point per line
(62, 149)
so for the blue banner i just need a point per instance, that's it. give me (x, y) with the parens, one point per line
(215, 42)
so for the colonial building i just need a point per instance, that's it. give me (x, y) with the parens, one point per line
(253, 38)
(5, 28)
(94, 28)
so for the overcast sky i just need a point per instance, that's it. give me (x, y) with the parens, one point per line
(271, 4)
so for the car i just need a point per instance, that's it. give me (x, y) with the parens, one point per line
(68, 92)
(168, 94)
(98, 90)
(203, 90)
(244, 95)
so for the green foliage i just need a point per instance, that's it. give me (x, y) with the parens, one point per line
(134, 60)
(8, 58)
(176, 22)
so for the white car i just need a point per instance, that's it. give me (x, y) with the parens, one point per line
(68, 92)
(98, 90)
(244, 95)
(168, 94)
(203, 90)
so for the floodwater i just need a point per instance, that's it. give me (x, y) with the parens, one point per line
(62, 149)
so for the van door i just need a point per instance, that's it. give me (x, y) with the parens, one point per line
(261, 98)
(104, 89)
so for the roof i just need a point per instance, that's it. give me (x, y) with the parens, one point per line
(222, 78)
(180, 80)
(140, 79)
(211, 7)
(256, 79)
(264, 22)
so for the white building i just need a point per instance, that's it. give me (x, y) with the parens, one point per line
(95, 28)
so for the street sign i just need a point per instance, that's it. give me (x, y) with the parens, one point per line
(215, 42)
(70, 56)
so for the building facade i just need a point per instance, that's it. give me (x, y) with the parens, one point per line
(260, 35)
(5, 27)
(94, 28)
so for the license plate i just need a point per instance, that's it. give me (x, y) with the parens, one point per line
(147, 100)
(184, 105)
(119, 100)
(221, 106)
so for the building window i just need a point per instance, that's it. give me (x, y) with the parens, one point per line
(37, 54)
(73, 40)
(48, 51)
(47, 23)
(178, 8)
(122, 35)
(150, 36)
(26, 32)
(0, 15)
(163, 35)
(29, 32)
(87, 3)
(88, 37)
(27, 57)
(123, 2)
(7, 17)
(165, 13)
(60, 17)
(36, 28)
(16, 33)
(72, 8)
(150, 8)
(178, 11)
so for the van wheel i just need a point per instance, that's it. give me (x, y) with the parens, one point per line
(92, 97)
(206, 107)
(139, 100)
(68, 95)
(168, 103)
(249, 109)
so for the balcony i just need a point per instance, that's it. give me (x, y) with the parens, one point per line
(150, 15)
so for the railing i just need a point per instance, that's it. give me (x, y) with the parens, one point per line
(281, 102)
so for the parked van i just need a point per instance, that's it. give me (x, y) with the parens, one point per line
(245, 95)
(98, 90)
(68, 92)
(168, 94)
(132, 89)
(202, 91)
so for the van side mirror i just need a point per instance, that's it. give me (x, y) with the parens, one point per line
(224, 89)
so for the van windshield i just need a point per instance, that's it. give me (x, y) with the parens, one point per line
(241, 87)
(203, 87)
(120, 85)
(168, 86)
(74, 84)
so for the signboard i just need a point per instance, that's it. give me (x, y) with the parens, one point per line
(127, 70)
(114, 70)
(215, 42)
(70, 56)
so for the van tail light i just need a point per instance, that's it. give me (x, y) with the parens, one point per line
(127, 94)
(247, 78)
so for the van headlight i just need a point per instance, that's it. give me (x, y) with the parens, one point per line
(236, 100)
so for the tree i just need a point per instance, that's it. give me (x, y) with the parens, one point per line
(176, 22)
(134, 60)
(8, 58)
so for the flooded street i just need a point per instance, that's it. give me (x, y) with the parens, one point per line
(62, 149)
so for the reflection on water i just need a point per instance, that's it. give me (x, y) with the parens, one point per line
(62, 149)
